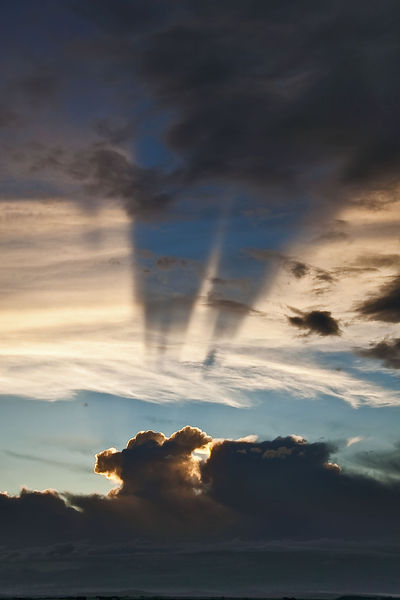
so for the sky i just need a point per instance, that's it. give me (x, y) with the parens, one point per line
(199, 297)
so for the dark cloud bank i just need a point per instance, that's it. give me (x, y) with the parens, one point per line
(268, 93)
(286, 99)
(262, 507)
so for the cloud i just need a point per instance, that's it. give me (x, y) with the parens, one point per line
(282, 489)
(221, 106)
(107, 173)
(320, 322)
(387, 350)
(354, 440)
(385, 306)
(231, 306)
(378, 260)
(299, 270)
(40, 518)
(385, 464)
(153, 465)
(238, 96)
(287, 107)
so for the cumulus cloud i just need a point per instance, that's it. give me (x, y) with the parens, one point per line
(320, 322)
(286, 488)
(153, 465)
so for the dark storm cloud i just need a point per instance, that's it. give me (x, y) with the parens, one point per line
(267, 93)
(320, 322)
(281, 99)
(387, 350)
(385, 305)
(282, 489)
(290, 483)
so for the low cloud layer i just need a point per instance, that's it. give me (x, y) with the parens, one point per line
(190, 487)
(192, 514)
